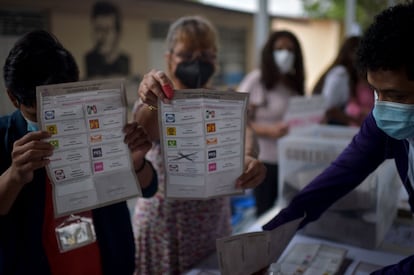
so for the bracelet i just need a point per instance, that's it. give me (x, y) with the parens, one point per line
(152, 108)
(142, 166)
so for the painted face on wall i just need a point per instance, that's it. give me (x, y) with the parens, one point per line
(105, 33)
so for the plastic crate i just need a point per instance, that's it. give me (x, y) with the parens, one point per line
(361, 217)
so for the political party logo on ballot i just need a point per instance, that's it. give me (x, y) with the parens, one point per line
(210, 114)
(97, 152)
(172, 143)
(50, 115)
(54, 142)
(173, 167)
(212, 166)
(212, 154)
(52, 129)
(94, 124)
(91, 109)
(59, 174)
(169, 118)
(211, 127)
(98, 166)
(211, 141)
(95, 138)
(171, 131)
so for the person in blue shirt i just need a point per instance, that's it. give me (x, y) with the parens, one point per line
(36, 59)
(386, 54)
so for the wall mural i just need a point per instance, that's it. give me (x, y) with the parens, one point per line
(106, 58)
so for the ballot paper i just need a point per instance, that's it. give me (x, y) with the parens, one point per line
(91, 165)
(311, 259)
(247, 253)
(202, 139)
(304, 110)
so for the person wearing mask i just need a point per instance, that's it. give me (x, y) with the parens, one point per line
(28, 241)
(280, 76)
(174, 235)
(339, 83)
(386, 55)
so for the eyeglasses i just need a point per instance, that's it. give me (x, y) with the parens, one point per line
(189, 55)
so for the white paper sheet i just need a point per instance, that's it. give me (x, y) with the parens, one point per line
(304, 110)
(91, 165)
(202, 137)
(248, 253)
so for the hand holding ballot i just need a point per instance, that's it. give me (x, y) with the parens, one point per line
(98, 157)
(156, 85)
(204, 139)
(253, 174)
(29, 153)
(138, 142)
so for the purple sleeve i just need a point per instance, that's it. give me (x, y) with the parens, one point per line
(406, 266)
(367, 150)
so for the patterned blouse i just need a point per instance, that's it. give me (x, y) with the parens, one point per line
(171, 236)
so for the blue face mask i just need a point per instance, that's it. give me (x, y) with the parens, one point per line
(395, 119)
(31, 125)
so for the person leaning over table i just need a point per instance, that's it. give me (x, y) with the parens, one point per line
(28, 242)
(174, 235)
(386, 54)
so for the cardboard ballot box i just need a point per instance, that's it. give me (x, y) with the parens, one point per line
(360, 218)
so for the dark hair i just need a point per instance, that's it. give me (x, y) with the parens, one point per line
(102, 8)
(346, 57)
(37, 59)
(270, 74)
(388, 44)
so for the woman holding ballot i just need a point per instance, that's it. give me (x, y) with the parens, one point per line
(174, 235)
(29, 232)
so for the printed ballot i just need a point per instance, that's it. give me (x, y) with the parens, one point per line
(247, 253)
(91, 165)
(304, 111)
(202, 139)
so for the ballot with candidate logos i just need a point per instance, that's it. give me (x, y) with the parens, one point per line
(202, 135)
(91, 165)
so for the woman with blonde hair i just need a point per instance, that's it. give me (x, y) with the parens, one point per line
(174, 235)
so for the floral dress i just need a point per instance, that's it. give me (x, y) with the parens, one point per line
(172, 236)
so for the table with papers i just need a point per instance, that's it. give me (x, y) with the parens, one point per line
(357, 257)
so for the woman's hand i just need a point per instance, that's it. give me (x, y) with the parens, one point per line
(138, 142)
(253, 175)
(275, 130)
(155, 85)
(278, 130)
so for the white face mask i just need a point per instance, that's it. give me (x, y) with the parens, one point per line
(284, 60)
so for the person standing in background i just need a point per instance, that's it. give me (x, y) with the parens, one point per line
(361, 103)
(174, 235)
(280, 76)
(106, 57)
(338, 85)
